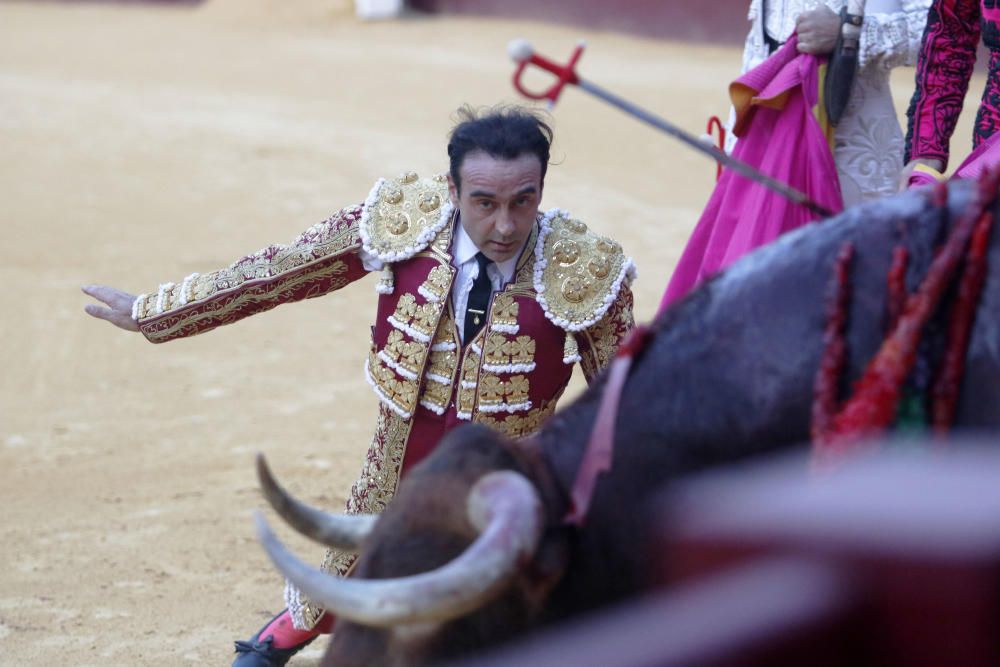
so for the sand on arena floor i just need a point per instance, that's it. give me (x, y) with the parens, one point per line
(141, 143)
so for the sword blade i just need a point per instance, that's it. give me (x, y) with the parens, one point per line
(722, 157)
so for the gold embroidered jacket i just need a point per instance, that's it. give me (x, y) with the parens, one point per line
(569, 301)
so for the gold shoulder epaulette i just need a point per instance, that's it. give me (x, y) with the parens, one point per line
(578, 273)
(403, 215)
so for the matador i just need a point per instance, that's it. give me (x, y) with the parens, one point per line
(485, 304)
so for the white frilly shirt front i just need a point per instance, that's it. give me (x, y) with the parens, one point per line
(868, 147)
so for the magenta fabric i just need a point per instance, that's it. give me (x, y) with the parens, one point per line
(986, 154)
(780, 136)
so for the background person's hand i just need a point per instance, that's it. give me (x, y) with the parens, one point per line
(817, 30)
(119, 310)
(904, 175)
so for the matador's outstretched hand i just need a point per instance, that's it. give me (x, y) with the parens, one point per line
(119, 310)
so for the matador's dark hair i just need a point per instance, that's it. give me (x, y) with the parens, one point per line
(504, 132)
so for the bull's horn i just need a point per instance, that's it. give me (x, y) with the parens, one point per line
(503, 506)
(340, 531)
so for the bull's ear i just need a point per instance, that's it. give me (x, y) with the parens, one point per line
(546, 570)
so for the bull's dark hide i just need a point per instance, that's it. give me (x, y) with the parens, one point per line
(728, 376)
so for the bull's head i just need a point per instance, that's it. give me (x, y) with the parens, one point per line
(457, 561)
(465, 557)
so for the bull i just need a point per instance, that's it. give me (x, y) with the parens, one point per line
(474, 550)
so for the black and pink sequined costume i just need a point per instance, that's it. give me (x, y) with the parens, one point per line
(944, 67)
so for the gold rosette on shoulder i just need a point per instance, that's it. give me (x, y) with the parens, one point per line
(577, 273)
(403, 215)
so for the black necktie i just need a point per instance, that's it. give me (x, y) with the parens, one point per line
(479, 300)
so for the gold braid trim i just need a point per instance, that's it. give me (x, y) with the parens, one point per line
(598, 344)
(370, 494)
(521, 424)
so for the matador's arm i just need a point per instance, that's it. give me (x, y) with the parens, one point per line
(323, 258)
(944, 67)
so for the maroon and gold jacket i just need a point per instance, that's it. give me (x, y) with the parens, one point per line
(569, 301)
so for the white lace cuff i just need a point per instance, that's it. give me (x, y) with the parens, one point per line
(893, 39)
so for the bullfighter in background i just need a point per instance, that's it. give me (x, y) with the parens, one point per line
(944, 69)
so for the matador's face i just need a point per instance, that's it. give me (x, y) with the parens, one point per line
(498, 202)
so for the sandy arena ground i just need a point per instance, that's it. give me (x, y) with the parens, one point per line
(142, 143)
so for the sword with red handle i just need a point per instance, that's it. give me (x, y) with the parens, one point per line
(715, 124)
(524, 55)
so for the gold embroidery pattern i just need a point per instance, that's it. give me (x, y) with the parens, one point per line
(599, 343)
(400, 393)
(445, 336)
(519, 425)
(466, 396)
(582, 272)
(501, 351)
(402, 215)
(418, 320)
(505, 311)
(228, 308)
(403, 353)
(337, 235)
(571, 350)
(386, 281)
(437, 395)
(370, 494)
(409, 345)
(442, 366)
(494, 392)
(437, 285)
(442, 242)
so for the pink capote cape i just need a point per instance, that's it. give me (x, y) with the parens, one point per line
(779, 135)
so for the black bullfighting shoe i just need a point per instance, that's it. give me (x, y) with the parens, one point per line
(257, 652)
